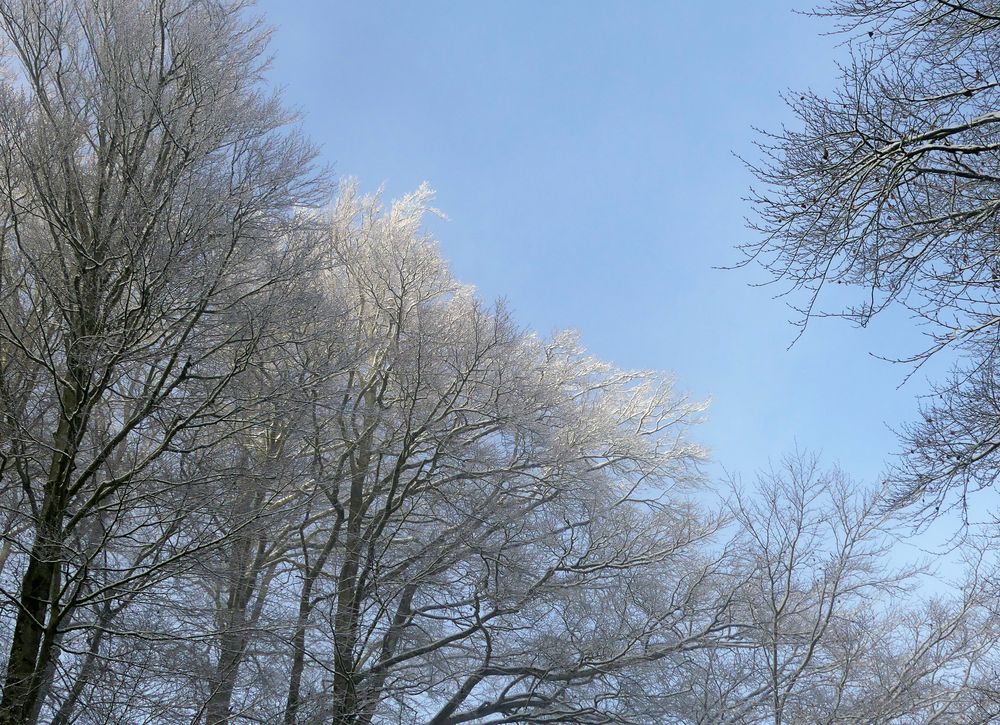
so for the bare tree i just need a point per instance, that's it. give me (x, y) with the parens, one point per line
(889, 186)
(147, 190)
(826, 628)
(488, 499)
(263, 458)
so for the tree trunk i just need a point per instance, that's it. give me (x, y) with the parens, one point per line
(224, 682)
(31, 644)
(298, 652)
(345, 695)
(245, 569)
(26, 663)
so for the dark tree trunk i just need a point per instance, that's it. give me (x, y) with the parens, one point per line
(34, 628)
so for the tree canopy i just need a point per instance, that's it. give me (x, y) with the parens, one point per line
(888, 186)
(264, 459)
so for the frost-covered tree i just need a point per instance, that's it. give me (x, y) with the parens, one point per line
(148, 188)
(483, 501)
(262, 458)
(826, 624)
(889, 186)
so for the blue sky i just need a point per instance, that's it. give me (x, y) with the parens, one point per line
(584, 154)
